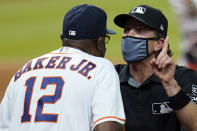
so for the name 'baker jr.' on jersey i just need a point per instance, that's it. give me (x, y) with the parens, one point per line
(55, 99)
(67, 89)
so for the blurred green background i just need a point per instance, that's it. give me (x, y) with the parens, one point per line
(30, 28)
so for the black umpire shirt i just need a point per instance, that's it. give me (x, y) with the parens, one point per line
(147, 106)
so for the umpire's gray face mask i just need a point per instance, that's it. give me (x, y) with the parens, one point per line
(135, 49)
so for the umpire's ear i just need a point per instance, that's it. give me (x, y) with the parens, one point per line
(159, 44)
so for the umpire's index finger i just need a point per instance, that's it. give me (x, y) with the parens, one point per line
(165, 45)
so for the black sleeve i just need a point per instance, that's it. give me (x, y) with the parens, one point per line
(187, 80)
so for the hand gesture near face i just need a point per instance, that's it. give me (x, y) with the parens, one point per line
(163, 66)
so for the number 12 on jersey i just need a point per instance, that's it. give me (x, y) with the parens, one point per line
(45, 99)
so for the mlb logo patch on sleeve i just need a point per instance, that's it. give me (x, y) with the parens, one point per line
(193, 95)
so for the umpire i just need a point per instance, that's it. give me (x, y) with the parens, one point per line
(157, 94)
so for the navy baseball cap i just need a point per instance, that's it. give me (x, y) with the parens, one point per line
(147, 15)
(85, 22)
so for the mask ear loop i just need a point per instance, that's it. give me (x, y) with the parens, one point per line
(153, 52)
(157, 52)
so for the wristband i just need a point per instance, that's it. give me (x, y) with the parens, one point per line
(179, 100)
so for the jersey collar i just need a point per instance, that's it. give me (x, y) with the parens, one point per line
(125, 76)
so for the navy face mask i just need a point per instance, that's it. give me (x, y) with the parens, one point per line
(135, 49)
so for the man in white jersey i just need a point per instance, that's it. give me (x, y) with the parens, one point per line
(70, 89)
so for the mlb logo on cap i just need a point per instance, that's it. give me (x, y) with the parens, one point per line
(140, 10)
(149, 16)
(72, 32)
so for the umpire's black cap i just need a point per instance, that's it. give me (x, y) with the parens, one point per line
(147, 15)
(85, 22)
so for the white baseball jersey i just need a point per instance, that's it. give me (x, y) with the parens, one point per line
(65, 90)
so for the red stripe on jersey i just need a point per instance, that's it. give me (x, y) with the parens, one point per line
(106, 118)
